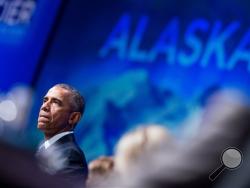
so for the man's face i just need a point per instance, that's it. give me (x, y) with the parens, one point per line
(55, 111)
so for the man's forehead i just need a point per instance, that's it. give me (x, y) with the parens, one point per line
(58, 92)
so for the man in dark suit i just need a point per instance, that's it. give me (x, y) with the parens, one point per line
(59, 154)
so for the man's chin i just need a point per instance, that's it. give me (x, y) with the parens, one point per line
(42, 125)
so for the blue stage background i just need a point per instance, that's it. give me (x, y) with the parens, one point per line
(24, 30)
(150, 61)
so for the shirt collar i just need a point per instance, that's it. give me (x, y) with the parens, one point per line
(53, 139)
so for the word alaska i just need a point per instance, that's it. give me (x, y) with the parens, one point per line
(216, 48)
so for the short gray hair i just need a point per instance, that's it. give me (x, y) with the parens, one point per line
(78, 99)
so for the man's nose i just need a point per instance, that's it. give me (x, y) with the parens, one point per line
(45, 106)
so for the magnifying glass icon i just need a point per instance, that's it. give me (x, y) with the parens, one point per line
(231, 159)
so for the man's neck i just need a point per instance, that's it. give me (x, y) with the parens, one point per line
(48, 136)
(55, 138)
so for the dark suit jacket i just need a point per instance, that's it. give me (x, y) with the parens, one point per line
(65, 158)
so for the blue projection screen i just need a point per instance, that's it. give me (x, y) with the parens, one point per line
(24, 29)
(146, 62)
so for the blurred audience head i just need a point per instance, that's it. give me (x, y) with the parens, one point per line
(133, 145)
(99, 170)
(225, 124)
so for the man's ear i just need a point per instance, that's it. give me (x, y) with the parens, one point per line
(74, 119)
